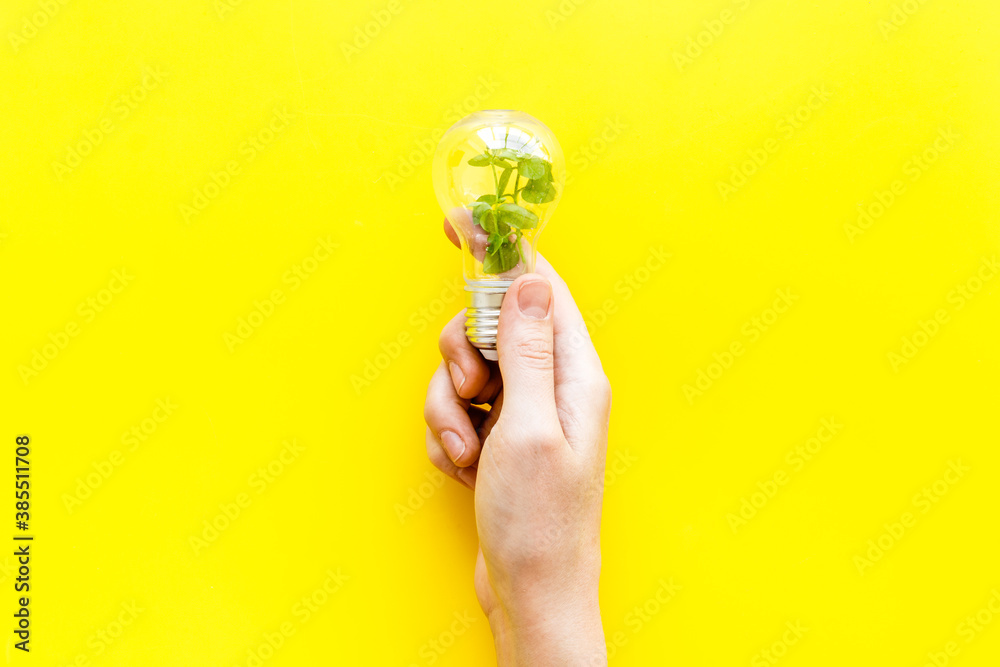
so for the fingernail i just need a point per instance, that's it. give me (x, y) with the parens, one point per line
(457, 376)
(533, 299)
(453, 445)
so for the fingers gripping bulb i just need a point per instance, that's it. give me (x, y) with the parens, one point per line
(498, 176)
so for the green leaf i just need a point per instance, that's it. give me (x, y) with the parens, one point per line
(532, 168)
(492, 264)
(477, 210)
(516, 216)
(503, 164)
(488, 220)
(494, 242)
(504, 179)
(489, 199)
(538, 192)
(483, 215)
(505, 259)
(548, 170)
(481, 160)
(505, 153)
(509, 255)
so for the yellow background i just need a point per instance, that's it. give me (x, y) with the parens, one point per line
(648, 137)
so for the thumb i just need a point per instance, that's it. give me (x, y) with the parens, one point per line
(525, 349)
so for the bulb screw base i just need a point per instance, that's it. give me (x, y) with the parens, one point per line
(482, 314)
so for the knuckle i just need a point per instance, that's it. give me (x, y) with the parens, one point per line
(603, 390)
(436, 455)
(578, 337)
(447, 342)
(525, 438)
(598, 387)
(452, 335)
(534, 349)
(430, 411)
(551, 445)
(545, 439)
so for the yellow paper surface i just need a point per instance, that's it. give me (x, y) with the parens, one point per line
(224, 277)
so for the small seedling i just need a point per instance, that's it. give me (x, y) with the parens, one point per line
(499, 214)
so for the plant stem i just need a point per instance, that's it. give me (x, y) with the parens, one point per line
(496, 182)
(500, 194)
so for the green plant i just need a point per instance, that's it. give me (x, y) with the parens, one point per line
(499, 214)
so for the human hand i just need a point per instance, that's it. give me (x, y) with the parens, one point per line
(535, 459)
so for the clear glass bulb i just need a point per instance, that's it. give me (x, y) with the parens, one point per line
(498, 176)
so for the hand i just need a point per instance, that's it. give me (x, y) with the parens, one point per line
(535, 459)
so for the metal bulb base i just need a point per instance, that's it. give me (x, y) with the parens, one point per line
(482, 314)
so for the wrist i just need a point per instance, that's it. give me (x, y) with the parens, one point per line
(544, 630)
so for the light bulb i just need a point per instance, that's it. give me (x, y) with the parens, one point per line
(498, 176)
